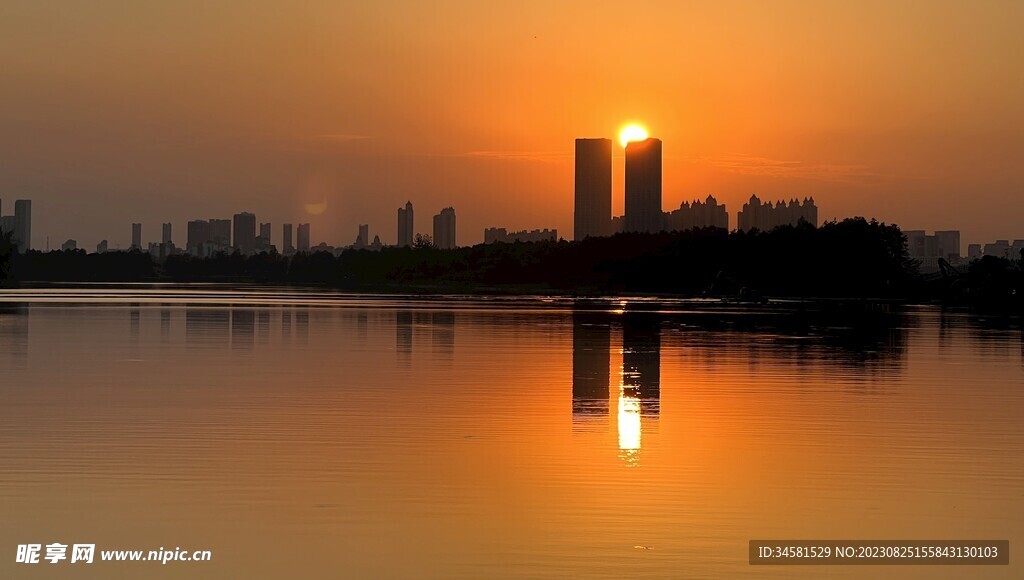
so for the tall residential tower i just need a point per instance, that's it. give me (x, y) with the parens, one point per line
(286, 242)
(643, 186)
(405, 225)
(303, 238)
(245, 232)
(19, 225)
(444, 229)
(593, 205)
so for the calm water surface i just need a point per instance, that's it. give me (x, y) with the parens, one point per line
(302, 435)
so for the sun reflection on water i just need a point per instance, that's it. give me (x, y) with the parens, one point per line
(629, 427)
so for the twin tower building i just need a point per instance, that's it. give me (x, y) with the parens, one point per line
(593, 211)
(593, 205)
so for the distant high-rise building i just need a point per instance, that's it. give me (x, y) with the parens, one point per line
(643, 186)
(948, 244)
(303, 237)
(263, 240)
(198, 233)
(69, 245)
(765, 217)
(19, 225)
(136, 236)
(916, 243)
(363, 240)
(166, 237)
(286, 243)
(7, 225)
(928, 249)
(502, 235)
(706, 214)
(444, 229)
(999, 248)
(405, 225)
(220, 232)
(593, 195)
(101, 248)
(245, 232)
(1017, 250)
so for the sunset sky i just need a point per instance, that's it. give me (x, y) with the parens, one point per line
(114, 112)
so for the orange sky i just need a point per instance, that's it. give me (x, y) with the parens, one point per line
(115, 112)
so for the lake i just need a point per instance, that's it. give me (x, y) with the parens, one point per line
(306, 434)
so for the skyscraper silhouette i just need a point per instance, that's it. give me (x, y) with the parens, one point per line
(199, 233)
(286, 243)
(643, 186)
(444, 229)
(19, 225)
(166, 237)
(641, 359)
(303, 238)
(23, 224)
(593, 193)
(220, 232)
(766, 217)
(699, 214)
(591, 364)
(405, 225)
(245, 232)
(136, 236)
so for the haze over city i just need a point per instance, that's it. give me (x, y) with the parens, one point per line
(337, 115)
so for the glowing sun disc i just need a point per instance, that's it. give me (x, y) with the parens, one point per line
(632, 133)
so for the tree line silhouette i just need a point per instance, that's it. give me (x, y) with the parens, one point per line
(852, 258)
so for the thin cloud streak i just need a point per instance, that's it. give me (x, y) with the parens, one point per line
(739, 163)
(315, 144)
(744, 164)
(540, 156)
(341, 137)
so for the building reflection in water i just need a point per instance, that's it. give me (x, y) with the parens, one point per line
(240, 327)
(286, 326)
(263, 326)
(243, 328)
(639, 389)
(641, 360)
(640, 385)
(14, 319)
(207, 326)
(165, 325)
(135, 322)
(403, 336)
(442, 335)
(362, 326)
(591, 366)
(302, 326)
(412, 326)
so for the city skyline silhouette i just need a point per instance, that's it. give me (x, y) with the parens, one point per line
(303, 117)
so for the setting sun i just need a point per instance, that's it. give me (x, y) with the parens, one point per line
(632, 133)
